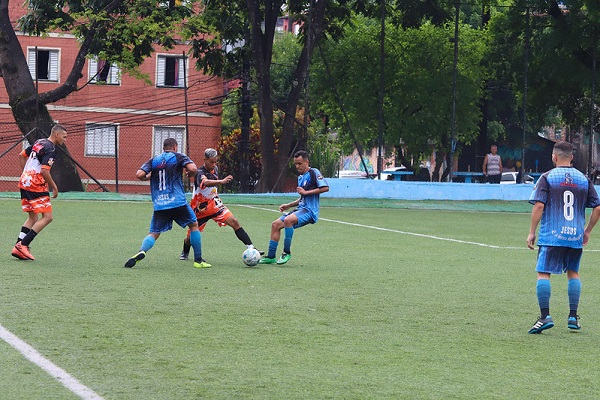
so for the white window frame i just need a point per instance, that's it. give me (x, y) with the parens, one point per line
(162, 132)
(161, 61)
(100, 139)
(53, 63)
(113, 77)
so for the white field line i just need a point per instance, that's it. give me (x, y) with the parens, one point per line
(411, 233)
(54, 371)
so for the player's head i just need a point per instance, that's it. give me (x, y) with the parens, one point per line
(58, 134)
(301, 161)
(562, 153)
(170, 144)
(210, 158)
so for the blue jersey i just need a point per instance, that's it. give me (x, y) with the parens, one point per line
(310, 180)
(565, 192)
(166, 183)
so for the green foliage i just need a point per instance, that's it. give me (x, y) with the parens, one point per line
(230, 157)
(418, 83)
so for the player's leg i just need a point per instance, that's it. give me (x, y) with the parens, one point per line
(196, 243)
(572, 262)
(185, 253)
(39, 205)
(289, 223)
(239, 231)
(276, 228)
(545, 263)
(21, 251)
(161, 222)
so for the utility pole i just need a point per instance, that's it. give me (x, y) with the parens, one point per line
(454, 76)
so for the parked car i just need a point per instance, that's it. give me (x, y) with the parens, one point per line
(385, 174)
(348, 174)
(510, 178)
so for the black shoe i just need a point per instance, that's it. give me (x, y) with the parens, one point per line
(131, 262)
(542, 324)
(184, 255)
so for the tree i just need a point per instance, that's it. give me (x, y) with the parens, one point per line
(123, 32)
(253, 23)
(418, 84)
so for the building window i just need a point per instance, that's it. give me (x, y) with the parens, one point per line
(100, 140)
(46, 68)
(170, 71)
(164, 132)
(103, 72)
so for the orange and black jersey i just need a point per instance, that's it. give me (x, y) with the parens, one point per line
(40, 156)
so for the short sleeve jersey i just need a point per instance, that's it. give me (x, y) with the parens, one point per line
(565, 192)
(40, 155)
(311, 179)
(166, 183)
(204, 193)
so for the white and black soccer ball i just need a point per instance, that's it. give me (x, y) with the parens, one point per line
(251, 257)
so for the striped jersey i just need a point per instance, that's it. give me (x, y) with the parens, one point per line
(166, 183)
(566, 193)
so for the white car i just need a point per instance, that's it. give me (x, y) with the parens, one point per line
(385, 173)
(510, 178)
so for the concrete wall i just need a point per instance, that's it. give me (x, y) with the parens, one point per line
(400, 190)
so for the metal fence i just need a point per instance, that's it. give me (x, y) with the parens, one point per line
(107, 156)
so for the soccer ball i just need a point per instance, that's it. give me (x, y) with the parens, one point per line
(251, 257)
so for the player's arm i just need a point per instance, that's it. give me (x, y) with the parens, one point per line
(484, 168)
(536, 216)
(23, 159)
(48, 178)
(191, 169)
(143, 175)
(593, 220)
(318, 190)
(217, 182)
(285, 206)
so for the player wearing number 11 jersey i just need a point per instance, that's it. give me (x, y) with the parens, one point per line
(559, 201)
(168, 196)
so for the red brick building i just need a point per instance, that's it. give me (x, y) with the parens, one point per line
(116, 122)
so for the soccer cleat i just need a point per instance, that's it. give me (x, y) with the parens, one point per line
(267, 260)
(131, 262)
(201, 264)
(21, 252)
(573, 323)
(542, 324)
(184, 255)
(284, 258)
(251, 246)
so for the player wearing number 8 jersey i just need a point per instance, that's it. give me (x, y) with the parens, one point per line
(559, 201)
(207, 204)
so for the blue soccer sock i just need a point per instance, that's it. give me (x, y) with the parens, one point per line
(147, 243)
(543, 290)
(287, 241)
(272, 248)
(574, 292)
(196, 242)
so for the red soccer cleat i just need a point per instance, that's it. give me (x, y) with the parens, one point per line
(22, 252)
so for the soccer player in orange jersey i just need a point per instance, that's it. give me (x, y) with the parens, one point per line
(35, 183)
(208, 205)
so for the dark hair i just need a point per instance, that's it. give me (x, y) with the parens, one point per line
(169, 143)
(563, 149)
(301, 153)
(58, 127)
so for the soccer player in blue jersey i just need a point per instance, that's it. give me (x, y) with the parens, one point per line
(310, 185)
(168, 196)
(559, 201)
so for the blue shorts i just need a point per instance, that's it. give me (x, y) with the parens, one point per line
(556, 260)
(162, 220)
(305, 217)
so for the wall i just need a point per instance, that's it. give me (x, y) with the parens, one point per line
(401, 190)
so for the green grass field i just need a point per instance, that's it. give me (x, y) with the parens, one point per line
(381, 300)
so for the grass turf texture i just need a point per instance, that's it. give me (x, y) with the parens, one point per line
(357, 313)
